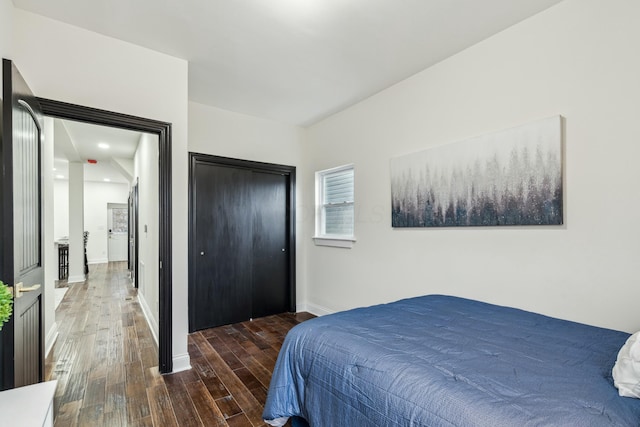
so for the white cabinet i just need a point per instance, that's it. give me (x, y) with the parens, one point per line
(29, 406)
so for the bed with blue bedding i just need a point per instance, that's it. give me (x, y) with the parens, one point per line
(445, 361)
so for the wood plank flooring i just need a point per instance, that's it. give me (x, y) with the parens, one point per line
(105, 361)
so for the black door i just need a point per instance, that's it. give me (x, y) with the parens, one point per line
(269, 246)
(241, 259)
(22, 338)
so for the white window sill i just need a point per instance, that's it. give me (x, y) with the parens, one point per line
(336, 242)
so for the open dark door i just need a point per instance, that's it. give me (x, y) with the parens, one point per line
(22, 338)
(133, 234)
(130, 235)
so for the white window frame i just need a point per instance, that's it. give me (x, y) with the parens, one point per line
(321, 238)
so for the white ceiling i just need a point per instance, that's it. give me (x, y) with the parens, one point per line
(294, 61)
(121, 143)
(83, 144)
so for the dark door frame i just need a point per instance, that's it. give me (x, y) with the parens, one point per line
(290, 171)
(63, 110)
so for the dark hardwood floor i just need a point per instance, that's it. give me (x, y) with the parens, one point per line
(105, 361)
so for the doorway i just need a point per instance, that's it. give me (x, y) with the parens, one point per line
(61, 110)
(241, 240)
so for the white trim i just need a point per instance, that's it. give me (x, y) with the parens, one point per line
(182, 362)
(52, 336)
(314, 309)
(98, 261)
(77, 279)
(153, 324)
(336, 242)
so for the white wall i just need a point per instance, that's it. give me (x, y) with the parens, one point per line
(228, 134)
(225, 133)
(89, 69)
(578, 59)
(76, 223)
(146, 171)
(60, 209)
(61, 187)
(97, 195)
(50, 252)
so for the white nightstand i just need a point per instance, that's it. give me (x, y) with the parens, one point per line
(29, 406)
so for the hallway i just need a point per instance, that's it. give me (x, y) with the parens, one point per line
(105, 356)
(106, 363)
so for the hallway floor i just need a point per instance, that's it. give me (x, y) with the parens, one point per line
(105, 361)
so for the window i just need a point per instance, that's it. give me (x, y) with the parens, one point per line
(120, 220)
(334, 207)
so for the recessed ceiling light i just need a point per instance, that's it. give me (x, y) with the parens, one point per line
(103, 146)
(106, 180)
(55, 169)
(60, 176)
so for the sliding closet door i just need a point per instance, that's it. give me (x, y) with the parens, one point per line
(222, 218)
(270, 249)
(240, 260)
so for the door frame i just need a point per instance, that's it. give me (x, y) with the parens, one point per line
(290, 171)
(63, 110)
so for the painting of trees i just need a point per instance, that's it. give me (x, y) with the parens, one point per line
(512, 177)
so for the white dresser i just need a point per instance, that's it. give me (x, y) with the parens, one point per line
(30, 406)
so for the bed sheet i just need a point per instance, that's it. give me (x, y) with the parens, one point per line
(445, 361)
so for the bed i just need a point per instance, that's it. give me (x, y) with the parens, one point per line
(445, 361)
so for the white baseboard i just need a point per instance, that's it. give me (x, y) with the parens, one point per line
(315, 309)
(181, 362)
(153, 324)
(98, 261)
(77, 279)
(51, 338)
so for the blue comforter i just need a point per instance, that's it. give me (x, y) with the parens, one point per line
(446, 361)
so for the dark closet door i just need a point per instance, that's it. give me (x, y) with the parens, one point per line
(222, 246)
(239, 244)
(269, 232)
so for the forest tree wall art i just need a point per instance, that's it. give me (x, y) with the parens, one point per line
(512, 177)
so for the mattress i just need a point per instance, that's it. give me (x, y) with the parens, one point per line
(445, 361)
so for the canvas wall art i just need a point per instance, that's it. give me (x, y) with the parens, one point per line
(512, 177)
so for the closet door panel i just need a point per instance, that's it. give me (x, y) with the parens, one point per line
(270, 244)
(241, 250)
(222, 248)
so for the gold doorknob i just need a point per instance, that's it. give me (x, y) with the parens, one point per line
(20, 289)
